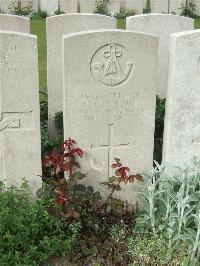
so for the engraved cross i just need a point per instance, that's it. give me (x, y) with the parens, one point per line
(110, 147)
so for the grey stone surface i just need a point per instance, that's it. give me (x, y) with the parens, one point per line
(113, 6)
(56, 27)
(182, 127)
(109, 101)
(68, 6)
(49, 6)
(14, 23)
(136, 5)
(161, 25)
(20, 149)
(87, 6)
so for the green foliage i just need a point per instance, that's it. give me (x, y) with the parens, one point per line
(17, 8)
(37, 15)
(159, 128)
(101, 7)
(29, 235)
(59, 12)
(147, 250)
(188, 9)
(124, 13)
(58, 122)
(172, 207)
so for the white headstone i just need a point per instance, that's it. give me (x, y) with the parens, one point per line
(109, 101)
(20, 149)
(197, 11)
(14, 23)
(182, 121)
(68, 6)
(175, 6)
(159, 6)
(57, 26)
(137, 5)
(87, 6)
(113, 6)
(161, 25)
(49, 6)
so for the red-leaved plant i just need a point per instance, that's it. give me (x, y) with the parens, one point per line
(122, 175)
(55, 164)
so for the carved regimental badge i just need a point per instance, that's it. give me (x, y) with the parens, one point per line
(110, 65)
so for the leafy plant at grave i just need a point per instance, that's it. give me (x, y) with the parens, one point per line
(58, 122)
(37, 15)
(171, 208)
(29, 235)
(124, 13)
(101, 7)
(17, 8)
(122, 175)
(188, 9)
(148, 250)
(159, 128)
(59, 12)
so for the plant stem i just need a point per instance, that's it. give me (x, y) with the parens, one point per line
(109, 196)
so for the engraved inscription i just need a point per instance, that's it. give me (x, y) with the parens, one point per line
(109, 147)
(12, 121)
(110, 65)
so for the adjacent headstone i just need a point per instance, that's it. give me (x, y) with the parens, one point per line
(113, 6)
(14, 23)
(136, 5)
(87, 6)
(160, 25)
(160, 6)
(182, 127)
(49, 6)
(68, 6)
(57, 26)
(20, 149)
(109, 101)
(175, 6)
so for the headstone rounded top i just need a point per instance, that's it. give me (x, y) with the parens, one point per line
(185, 33)
(77, 15)
(158, 15)
(9, 33)
(14, 16)
(14, 23)
(107, 31)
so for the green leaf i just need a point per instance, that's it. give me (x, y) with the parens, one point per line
(112, 179)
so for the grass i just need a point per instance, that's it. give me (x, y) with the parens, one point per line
(38, 27)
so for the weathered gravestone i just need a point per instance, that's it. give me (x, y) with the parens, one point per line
(137, 5)
(68, 6)
(57, 26)
(87, 6)
(159, 6)
(20, 149)
(161, 25)
(175, 6)
(109, 101)
(14, 23)
(182, 121)
(113, 6)
(49, 6)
